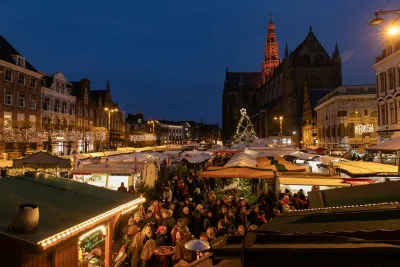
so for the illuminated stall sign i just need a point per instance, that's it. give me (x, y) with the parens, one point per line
(141, 138)
(93, 239)
(364, 128)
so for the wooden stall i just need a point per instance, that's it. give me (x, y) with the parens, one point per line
(48, 221)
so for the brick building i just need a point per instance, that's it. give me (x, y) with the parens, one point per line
(20, 112)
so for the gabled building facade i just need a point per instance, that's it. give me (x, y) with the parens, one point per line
(387, 69)
(20, 85)
(58, 112)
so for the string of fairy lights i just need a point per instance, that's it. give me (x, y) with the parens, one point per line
(32, 135)
(245, 131)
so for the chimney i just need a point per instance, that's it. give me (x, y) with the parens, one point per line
(26, 218)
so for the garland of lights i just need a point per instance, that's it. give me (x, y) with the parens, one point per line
(32, 135)
(140, 138)
(245, 131)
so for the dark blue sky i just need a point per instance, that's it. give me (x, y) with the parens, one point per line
(167, 58)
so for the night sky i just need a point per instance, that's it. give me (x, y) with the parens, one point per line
(168, 58)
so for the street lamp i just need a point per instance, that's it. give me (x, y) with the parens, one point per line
(152, 123)
(280, 126)
(109, 111)
(393, 28)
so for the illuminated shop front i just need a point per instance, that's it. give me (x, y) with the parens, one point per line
(110, 180)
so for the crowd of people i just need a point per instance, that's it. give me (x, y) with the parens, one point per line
(189, 208)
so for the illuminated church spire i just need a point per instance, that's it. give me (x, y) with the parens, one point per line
(271, 56)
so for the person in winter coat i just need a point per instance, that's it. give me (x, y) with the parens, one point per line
(222, 228)
(261, 218)
(138, 243)
(187, 217)
(138, 221)
(241, 218)
(252, 217)
(181, 253)
(168, 221)
(197, 222)
(150, 220)
(197, 197)
(180, 226)
(162, 237)
(208, 219)
(147, 257)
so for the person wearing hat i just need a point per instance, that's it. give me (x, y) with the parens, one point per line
(161, 237)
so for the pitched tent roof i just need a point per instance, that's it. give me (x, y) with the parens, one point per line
(7, 51)
(42, 160)
(62, 203)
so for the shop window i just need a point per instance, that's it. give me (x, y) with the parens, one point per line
(21, 100)
(21, 79)
(391, 78)
(32, 83)
(32, 102)
(7, 119)
(8, 97)
(8, 75)
(382, 77)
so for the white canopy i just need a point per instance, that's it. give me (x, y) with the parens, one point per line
(327, 159)
(198, 158)
(388, 146)
(243, 160)
(302, 155)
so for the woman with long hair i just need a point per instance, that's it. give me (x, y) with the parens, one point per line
(138, 243)
(148, 258)
(181, 253)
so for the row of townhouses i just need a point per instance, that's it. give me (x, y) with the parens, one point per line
(43, 111)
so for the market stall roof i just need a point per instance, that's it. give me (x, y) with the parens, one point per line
(236, 172)
(241, 159)
(331, 220)
(43, 160)
(302, 155)
(320, 181)
(62, 203)
(388, 146)
(363, 169)
(327, 159)
(198, 158)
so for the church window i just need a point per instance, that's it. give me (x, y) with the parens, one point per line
(232, 98)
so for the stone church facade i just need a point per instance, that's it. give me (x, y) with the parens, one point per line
(278, 90)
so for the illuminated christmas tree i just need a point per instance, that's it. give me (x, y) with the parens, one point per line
(245, 133)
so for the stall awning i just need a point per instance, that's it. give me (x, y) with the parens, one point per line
(312, 181)
(357, 181)
(388, 146)
(237, 172)
(362, 168)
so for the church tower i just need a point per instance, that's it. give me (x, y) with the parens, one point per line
(271, 56)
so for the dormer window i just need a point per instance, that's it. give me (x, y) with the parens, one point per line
(19, 61)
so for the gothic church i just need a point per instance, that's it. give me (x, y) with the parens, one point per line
(278, 90)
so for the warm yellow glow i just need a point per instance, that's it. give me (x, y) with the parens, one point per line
(281, 118)
(101, 227)
(60, 236)
(275, 118)
(393, 30)
(106, 109)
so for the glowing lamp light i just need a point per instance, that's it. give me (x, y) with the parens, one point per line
(393, 30)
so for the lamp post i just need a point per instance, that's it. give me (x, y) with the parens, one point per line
(109, 111)
(393, 28)
(280, 127)
(152, 123)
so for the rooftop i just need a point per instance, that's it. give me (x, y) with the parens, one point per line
(62, 203)
(360, 218)
(355, 90)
